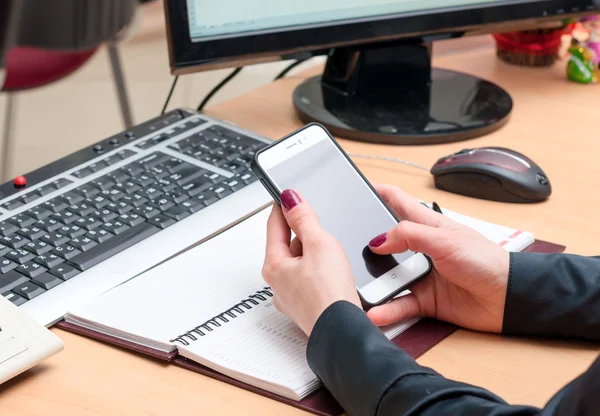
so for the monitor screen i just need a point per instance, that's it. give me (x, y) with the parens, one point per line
(234, 17)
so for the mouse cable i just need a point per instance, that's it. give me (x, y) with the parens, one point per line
(217, 88)
(388, 159)
(169, 96)
(289, 68)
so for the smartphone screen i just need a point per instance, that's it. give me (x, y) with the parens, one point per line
(312, 164)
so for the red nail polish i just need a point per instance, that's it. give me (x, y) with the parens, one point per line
(379, 240)
(289, 199)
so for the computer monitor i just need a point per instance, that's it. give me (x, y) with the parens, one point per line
(378, 84)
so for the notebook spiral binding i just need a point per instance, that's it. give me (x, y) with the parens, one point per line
(210, 325)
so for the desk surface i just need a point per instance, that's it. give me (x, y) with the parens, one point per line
(551, 123)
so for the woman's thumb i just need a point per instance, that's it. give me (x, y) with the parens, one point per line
(433, 241)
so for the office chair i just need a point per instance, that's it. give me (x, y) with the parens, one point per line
(42, 42)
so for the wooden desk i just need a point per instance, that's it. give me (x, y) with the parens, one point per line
(552, 123)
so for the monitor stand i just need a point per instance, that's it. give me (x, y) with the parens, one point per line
(390, 94)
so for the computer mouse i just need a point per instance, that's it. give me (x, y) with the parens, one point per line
(492, 173)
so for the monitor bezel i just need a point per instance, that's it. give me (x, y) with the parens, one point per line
(188, 56)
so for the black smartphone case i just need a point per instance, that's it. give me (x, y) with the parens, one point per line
(272, 189)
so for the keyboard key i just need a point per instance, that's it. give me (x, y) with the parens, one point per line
(72, 198)
(49, 224)
(39, 213)
(47, 281)
(165, 185)
(128, 187)
(98, 166)
(83, 209)
(177, 213)
(118, 176)
(55, 238)
(146, 144)
(124, 154)
(38, 247)
(55, 205)
(105, 215)
(147, 211)
(152, 193)
(73, 230)
(120, 207)
(32, 233)
(21, 220)
(66, 217)
(192, 205)
(46, 189)
(111, 160)
(235, 185)
(89, 223)
(131, 219)
(133, 169)
(186, 174)
(82, 173)
(99, 235)
(28, 290)
(158, 172)
(6, 228)
(174, 164)
(163, 204)
(178, 195)
(87, 190)
(10, 280)
(235, 166)
(161, 221)
(113, 194)
(195, 186)
(103, 183)
(14, 298)
(14, 241)
(10, 205)
(221, 191)
(83, 243)
(66, 251)
(213, 177)
(6, 265)
(64, 271)
(207, 198)
(48, 260)
(4, 249)
(20, 255)
(61, 183)
(30, 197)
(115, 245)
(31, 269)
(136, 200)
(246, 177)
(143, 180)
(99, 202)
(152, 160)
(115, 227)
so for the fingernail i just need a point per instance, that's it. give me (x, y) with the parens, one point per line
(379, 240)
(289, 199)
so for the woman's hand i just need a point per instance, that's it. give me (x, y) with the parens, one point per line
(311, 272)
(468, 283)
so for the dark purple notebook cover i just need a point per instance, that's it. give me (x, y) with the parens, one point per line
(416, 340)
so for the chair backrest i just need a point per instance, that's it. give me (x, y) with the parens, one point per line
(72, 24)
(10, 13)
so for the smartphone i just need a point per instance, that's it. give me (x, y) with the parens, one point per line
(311, 162)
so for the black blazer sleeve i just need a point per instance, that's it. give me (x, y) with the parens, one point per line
(369, 375)
(553, 295)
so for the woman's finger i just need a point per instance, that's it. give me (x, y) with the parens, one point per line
(408, 208)
(301, 218)
(278, 236)
(405, 307)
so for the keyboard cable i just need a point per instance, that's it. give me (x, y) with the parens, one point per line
(170, 94)
(388, 159)
(217, 88)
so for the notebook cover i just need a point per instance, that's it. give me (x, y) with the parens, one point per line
(416, 341)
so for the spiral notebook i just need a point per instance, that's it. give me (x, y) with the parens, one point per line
(209, 310)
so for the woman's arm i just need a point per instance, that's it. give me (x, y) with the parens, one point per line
(369, 375)
(553, 295)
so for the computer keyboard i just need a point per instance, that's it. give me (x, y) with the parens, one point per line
(103, 215)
